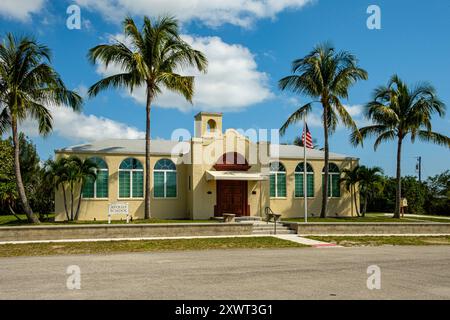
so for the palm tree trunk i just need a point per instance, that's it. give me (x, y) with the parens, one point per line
(71, 201)
(398, 193)
(79, 203)
(147, 213)
(65, 202)
(356, 201)
(366, 198)
(323, 212)
(21, 189)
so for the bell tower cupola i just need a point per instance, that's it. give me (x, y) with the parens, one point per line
(208, 124)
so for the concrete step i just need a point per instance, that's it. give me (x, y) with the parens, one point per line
(250, 218)
(272, 232)
(269, 227)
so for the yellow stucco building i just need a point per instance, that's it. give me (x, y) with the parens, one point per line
(213, 173)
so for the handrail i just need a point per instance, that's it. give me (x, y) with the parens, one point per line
(269, 213)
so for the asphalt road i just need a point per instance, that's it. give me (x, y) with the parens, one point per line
(331, 273)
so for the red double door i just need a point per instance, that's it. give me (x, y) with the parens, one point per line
(232, 198)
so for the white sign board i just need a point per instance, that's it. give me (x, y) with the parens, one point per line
(118, 208)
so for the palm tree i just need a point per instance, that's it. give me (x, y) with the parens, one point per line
(398, 111)
(68, 173)
(55, 175)
(325, 76)
(351, 179)
(28, 85)
(370, 184)
(151, 60)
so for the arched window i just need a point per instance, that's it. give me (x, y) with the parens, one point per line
(165, 179)
(299, 173)
(211, 125)
(334, 184)
(97, 188)
(131, 179)
(277, 180)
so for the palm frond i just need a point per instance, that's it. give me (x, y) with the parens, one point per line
(29, 84)
(298, 115)
(385, 136)
(434, 137)
(179, 84)
(121, 80)
(369, 131)
(43, 116)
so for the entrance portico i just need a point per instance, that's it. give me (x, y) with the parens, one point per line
(232, 184)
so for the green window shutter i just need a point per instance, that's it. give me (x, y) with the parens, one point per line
(102, 184)
(299, 185)
(335, 186)
(272, 185)
(281, 184)
(124, 184)
(138, 184)
(171, 184)
(88, 188)
(158, 184)
(329, 184)
(310, 185)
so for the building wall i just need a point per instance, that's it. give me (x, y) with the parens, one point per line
(90, 209)
(292, 207)
(196, 197)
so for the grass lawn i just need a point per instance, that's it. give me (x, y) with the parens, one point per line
(106, 247)
(350, 241)
(371, 217)
(10, 220)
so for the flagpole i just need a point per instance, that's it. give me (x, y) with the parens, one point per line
(304, 170)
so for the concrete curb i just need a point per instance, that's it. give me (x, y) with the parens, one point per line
(359, 228)
(132, 239)
(122, 231)
(376, 235)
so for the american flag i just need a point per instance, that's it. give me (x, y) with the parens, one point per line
(308, 141)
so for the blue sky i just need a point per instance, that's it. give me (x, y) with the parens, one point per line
(250, 45)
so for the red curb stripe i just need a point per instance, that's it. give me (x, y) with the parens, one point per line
(324, 245)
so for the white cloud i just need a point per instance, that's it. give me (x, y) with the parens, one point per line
(357, 113)
(232, 82)
(82, 90)
(20, 9)
(81, 127)
(210, 12)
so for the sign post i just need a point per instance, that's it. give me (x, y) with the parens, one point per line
(118, 208)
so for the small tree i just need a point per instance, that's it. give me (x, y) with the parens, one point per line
(8, 190)
(70, 174)
(370, 184)
(438, 199)
(351, 179)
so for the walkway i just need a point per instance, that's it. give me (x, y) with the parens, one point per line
(306, 241)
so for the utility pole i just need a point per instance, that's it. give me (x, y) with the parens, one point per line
(419, 167)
